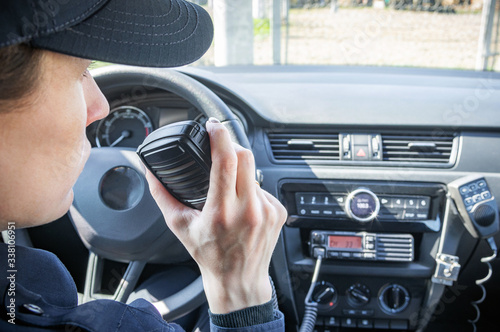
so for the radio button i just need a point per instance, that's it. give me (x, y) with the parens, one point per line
(410, 203)
(370, 246)
(357, 255)
(398, 203)
(421, 215)
(340, 213)
(327, 212)
(333, 254)
(340, 200)
(386, 202)
(410, 215)
(369, 255)
(346, 255)
(423, 203)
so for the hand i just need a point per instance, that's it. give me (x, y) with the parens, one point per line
(233, 237)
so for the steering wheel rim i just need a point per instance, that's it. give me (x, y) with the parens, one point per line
(100, 227)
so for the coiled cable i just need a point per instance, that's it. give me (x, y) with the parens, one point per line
(480, 282)
(311, 307)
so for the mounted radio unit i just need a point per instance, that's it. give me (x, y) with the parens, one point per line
(362, 246)
(363, 205)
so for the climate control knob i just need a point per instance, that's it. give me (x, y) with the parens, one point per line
(362, 205)
(358, 295)
(324, 293)
(394, 298)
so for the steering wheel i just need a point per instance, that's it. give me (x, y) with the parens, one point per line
(113, 210)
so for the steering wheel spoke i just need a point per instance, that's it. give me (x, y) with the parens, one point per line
(93, 280)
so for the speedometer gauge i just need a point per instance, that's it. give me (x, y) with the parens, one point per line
(125, 126)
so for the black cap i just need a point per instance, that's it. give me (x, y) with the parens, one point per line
(155, 33)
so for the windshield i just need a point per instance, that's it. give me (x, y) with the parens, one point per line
(453, 34)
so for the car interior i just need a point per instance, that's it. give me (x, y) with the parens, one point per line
(390, 176)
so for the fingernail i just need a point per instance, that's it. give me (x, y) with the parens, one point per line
(213, 120)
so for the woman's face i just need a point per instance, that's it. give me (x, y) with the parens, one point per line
(43, 144)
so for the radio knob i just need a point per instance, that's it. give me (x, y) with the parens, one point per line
(358, 295)
(362, 205)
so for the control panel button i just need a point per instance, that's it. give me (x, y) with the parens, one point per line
(331, 321)
(350, 312)
(464, 190)
(365, 323)
(367, 312)
(361, 152)
(486, 195)
(476, 198)
(348, 322)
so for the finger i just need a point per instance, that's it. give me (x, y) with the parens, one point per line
(245, 178)
(281, 211)
(224, 164)
(173, 211)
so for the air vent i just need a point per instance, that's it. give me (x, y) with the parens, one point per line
(395, 247)
(297, 146)
(417, 148)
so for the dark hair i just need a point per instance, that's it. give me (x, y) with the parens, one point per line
(19, 72)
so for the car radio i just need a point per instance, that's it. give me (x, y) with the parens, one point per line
(362, 246)
(362, 205)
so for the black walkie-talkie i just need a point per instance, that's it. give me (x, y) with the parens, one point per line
(178, 155)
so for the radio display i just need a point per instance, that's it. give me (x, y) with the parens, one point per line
(344, 242)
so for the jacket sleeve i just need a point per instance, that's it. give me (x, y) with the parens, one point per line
(257, 318)
(276, 325)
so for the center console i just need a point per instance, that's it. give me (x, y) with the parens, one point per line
(376, 241)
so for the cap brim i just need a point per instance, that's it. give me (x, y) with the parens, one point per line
(155, 33)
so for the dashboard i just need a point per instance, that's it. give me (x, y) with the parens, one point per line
(361, 158)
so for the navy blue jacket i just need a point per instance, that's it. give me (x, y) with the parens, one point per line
(40, 295)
